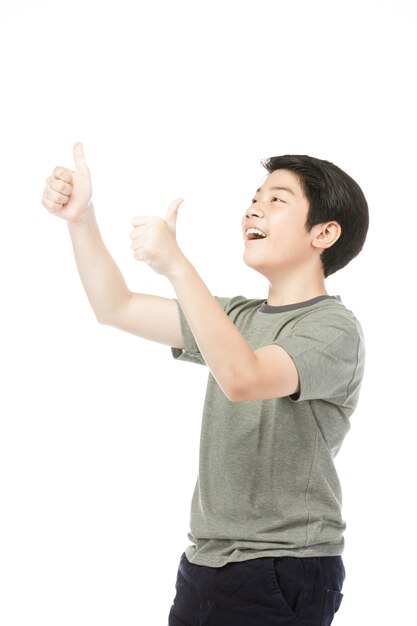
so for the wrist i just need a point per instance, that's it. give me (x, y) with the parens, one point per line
(86, 216)
(180, 270)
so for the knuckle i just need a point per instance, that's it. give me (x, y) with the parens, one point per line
(54, 196)
(62, 173)
(51, 206)
(61, 199)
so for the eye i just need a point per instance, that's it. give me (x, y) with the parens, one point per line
(278, 199)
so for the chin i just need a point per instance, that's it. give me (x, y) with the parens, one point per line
(257, 266)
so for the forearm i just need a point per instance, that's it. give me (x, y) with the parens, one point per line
(102, 280)
(226, 352)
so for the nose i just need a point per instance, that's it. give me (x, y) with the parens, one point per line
(254, 211)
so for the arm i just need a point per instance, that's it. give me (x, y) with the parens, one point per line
(150, 317)
(68, 195)
(242, 373)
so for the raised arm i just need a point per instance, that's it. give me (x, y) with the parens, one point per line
(67, 194)
(242, 373)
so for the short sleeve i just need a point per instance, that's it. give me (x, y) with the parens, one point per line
(328, 352)
(191, 351)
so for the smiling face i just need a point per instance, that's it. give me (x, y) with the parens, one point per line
(276, 238)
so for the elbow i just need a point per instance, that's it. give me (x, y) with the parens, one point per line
(101, 319)
(239, 386)
(242, 379)
(232, 395)
(236, 392)
(114, 315)
(106, 320)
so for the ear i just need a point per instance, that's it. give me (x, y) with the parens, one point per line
(326, 234)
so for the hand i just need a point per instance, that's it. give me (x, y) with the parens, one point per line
(154, 240)
(67, 193)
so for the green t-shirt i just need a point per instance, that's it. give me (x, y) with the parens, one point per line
(267, 484)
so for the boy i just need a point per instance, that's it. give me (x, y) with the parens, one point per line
(285, 374)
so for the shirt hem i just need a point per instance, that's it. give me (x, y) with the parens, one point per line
(195, 557)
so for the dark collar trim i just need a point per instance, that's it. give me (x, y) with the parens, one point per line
(268, 308)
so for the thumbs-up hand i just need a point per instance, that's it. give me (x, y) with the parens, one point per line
(67, 193)
(154, 240)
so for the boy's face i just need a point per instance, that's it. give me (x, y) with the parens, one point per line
(279, 209)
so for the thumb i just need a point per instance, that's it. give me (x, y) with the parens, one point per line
(172, 213)
(80, 162)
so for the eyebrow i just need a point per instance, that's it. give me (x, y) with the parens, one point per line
(279, 189)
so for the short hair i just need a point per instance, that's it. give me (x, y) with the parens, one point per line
(332, 195)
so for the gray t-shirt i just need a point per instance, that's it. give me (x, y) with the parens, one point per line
(267, 484)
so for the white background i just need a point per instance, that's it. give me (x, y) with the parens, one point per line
(99, 430)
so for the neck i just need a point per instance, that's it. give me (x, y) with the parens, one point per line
(290, 289)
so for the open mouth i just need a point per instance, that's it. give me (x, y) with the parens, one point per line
(255, 233)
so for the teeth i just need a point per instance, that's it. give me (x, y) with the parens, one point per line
(256, 232)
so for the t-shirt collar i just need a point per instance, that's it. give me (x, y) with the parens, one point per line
(269, 308)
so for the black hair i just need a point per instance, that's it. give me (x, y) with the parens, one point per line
(332, 195)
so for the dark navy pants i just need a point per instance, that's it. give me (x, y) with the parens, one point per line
(259, 592)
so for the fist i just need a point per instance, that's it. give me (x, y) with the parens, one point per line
(154, 240)
(67, 193)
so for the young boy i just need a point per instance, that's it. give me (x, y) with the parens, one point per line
(285, 373)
